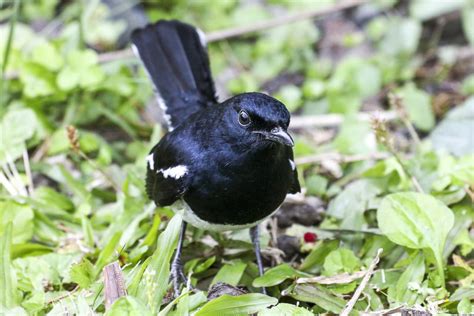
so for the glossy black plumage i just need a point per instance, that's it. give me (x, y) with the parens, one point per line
(228, 174)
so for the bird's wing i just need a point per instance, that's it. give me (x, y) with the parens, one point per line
(167, 176)
(295, 184)
(175, 57)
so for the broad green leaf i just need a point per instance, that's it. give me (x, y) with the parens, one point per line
(341, 260)
(451, 133)
(350, 204)
(277, 275)
(402, 37)
(284, 309)
(157, 273)
(465, 306)
(21, 216)
(425, 10)
(245, 304)
(354, 137)
(46, 55)
(290, 96)
(315, 259)
(230, 273)
(128, 306)
(417, 221)
(37, 81)
(83, 273)
(318, 295)
(7, 275)
(417, 103)
(17, 126)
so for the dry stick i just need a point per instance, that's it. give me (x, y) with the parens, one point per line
(238, 31)
(340, 158)
(114, 287)
(350, 305)
(242, 30)
(397, 103)
(329, 120)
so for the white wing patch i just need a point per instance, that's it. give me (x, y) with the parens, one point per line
(151, 161)
(292, 164)
(174, 172)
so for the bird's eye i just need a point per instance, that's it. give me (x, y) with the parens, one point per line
(244, 118)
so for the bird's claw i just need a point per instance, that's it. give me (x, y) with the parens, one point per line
(177, 276)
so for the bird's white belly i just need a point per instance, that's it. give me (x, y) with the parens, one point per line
(182, 208)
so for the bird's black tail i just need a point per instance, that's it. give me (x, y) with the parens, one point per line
(175, 57)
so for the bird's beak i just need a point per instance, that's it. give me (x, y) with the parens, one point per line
(279, 135)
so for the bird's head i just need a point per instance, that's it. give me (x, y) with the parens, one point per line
(260, 117)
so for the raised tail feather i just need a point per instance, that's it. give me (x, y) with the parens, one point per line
(175, 57)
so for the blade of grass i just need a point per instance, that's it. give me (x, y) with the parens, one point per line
(7, 288)
(6, 53)
(158, 271)
(106, 254)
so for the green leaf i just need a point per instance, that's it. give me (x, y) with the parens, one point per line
(227, 305)
(277, 275)
(230, 273)
(465, 307)
(417, 221)
(18, 125)
(83, 273)
(402, 37)
(468, 24)
(290, 96)
(158, 271)
(350, 204)
(107, 254)
(46, 55)
(284, 309)
(424, 10)
(451, 133)
(21, 216)
(413, 275)
(318, 295)
(7, 275)
(316, 257)
(418, 105)
(128, 306)
(37, 80)
(341, 260)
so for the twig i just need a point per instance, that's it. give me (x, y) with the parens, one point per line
(329, 120)
(396, 102)
(242, 30)
(73, 138)
(383, 137)
(336, 279)
(114, 285)
(340, 158)
(60, 297)
(350, 305)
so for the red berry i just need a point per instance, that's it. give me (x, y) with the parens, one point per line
(310, 237)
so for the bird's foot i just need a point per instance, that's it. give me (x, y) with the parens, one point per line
(177, 276)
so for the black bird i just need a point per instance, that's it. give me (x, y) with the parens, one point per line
(222, 166)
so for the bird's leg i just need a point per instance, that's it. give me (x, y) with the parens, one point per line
(254, 236)
(177, 274)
